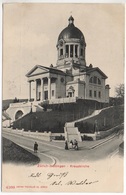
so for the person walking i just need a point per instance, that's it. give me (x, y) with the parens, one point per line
(66, 145)
(35, 147)
(71, 143)
(75, 144)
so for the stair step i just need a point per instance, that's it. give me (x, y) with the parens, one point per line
(73, 130)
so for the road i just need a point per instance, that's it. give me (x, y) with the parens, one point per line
(54, 153)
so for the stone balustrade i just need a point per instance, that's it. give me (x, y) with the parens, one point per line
(39, 135)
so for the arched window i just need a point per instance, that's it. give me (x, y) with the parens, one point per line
(67, 51)
(99, 81)
(91, 80)
(95, 80)
(76, 51)
(61, 52)
(71, 50)
(82, 52)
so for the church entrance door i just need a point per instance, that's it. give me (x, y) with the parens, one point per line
(45, 95)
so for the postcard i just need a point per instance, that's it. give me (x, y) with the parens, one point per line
(63, 97)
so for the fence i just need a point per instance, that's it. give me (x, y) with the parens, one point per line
(39, 135)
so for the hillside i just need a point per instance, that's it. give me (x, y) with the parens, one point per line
(55, 120)
(105, 120)
(10, 151)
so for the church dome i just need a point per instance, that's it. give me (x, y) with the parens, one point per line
(71, 31)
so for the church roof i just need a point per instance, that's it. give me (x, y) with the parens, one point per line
(89, 70)
(46, 69)
(71, 31)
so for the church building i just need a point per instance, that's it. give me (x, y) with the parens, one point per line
(71, 77)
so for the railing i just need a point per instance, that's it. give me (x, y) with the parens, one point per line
(20, 104)
(39, 135)
(63, 100)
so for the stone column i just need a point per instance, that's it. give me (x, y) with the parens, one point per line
(42, 90)
(58, 52)
(49, 88)
(78, 52)
(74, 51)
(69, 50)
(36, 90)
(29, 90)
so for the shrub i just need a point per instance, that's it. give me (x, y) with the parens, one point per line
(85, 137)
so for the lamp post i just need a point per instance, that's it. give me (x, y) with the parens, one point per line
(31, 107)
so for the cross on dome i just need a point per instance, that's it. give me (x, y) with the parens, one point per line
(71, 20)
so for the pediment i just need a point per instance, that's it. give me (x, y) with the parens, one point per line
(37, 70)
(97, 71)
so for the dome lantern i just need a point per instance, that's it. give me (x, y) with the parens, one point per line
(71, 20)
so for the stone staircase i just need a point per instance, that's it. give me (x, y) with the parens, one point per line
(72, 124)
(71, 132)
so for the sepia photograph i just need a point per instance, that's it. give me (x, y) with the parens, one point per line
(63, 97)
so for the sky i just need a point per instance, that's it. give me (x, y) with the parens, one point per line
(31, 30)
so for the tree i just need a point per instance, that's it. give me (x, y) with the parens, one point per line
(119, 94)
(120, 91)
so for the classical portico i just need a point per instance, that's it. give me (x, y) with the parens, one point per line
(46, 83)
(43, 87)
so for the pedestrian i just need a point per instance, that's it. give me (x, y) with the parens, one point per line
(75, 144)
(71, 144)
(35, 147)
(66, 145)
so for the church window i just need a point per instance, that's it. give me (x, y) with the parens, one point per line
(91, 80)
(52, 92)
(95, 94)
(62, 79)
(67, 51)
(45, 95)
(99, 82)
(81, 52)
(76, 50)
(61, 52)
(95, 80)
(99, 94)
(71, 50)
(90, 93)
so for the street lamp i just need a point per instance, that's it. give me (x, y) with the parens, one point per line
(31, 107)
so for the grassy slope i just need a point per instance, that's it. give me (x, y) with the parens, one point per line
(15, 154)
(55, 120)
(106, 119)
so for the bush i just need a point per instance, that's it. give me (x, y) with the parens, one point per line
(61, 137)
(85, 137)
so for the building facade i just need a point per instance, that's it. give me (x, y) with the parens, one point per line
(70, 77)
